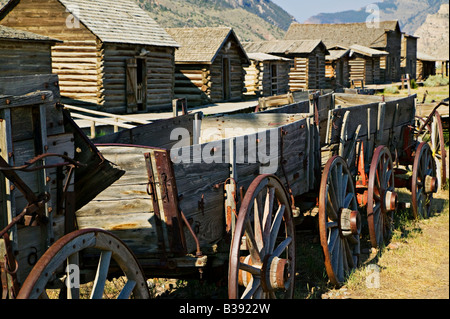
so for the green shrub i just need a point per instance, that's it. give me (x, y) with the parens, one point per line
(435, 80)
(391, 90)
(414, 84)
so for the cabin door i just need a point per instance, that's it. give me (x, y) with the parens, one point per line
(136, 85)
(340, 73)
(274, 78)
(226, 79)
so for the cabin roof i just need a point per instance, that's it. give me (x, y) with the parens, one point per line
(367, 51)
(259, 56)
(20, 35)
(285, 46)
(336, 54)
(343, 33)
(426, 57)
(201, 45)
(118, 21)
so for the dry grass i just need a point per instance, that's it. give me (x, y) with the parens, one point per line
(415, 265)
(433, 94)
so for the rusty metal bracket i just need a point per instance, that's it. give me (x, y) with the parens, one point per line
(26, 167)
(295, 210)
(230, 189)
(197, 242)
(8, 269)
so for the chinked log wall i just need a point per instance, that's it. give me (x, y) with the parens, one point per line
(259, 78)
(77, 65)
(308, 72)
(367, 69)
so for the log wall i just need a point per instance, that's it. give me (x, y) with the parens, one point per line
(259, 79)
(24, 58)
(160, 68)
(308, 71)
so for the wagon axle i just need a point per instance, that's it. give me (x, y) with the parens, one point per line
(430, 183)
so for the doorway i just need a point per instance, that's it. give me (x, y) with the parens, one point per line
(226, 79)
(136, 85)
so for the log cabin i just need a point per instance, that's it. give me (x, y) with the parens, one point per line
(308, 60)
(24, 53)
(209, 65)
(426, 66)
(386, 36)
(409, 55)
(268, 75)
(364, 64)
(113, 58)
(337, 68)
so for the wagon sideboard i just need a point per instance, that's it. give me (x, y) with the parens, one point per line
(164, 190)
(377, 123)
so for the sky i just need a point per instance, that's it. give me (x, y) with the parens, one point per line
(304, 9)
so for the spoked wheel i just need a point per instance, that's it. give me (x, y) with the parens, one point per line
(434, 134)
(339, 220)
(381, 199)
(64, 256)
(424, 181)
(262, 253)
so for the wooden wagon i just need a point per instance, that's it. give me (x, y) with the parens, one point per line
(191, 193)
(376, 142)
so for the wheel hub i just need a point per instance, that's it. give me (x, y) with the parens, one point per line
(391, 201)
(431, 184)
(350, 222)
(275, 273)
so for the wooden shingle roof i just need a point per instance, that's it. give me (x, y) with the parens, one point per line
(360, 49)
(118, 21)
(201, 45)
(284, 46)
(258, 56)
(343, 33)
(20, 35)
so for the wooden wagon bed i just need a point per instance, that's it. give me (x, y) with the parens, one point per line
(171, 182)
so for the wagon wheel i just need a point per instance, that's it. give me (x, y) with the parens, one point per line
(66, 251)
(381, 198)
(262, 254)
(339, 220)
(434, 134)
(424, 181)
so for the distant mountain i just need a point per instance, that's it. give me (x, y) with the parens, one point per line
(251, 19)
(434, 34)
(410, 13)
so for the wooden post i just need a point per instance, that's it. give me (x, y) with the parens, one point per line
(408, 82)
(93, 130)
